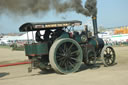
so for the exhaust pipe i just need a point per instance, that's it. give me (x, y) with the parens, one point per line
(94, 20)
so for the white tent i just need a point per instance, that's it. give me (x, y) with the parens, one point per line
(115, 38)
(9, 39)
(120, 38)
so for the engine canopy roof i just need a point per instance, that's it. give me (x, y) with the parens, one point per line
(48, 25)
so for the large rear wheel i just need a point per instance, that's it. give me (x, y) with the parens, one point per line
(65, 56)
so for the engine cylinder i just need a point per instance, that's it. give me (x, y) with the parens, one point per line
(98, 43)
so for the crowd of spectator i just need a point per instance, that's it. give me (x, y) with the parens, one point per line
(116, 43)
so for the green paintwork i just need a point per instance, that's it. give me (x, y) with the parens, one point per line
(64, 35)
(28, 49)
(78, 38)
(93, 42)
(36, 49)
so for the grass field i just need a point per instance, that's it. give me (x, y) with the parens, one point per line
(4, 46)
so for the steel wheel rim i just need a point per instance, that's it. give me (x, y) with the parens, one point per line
(108, 56)
(54, 61)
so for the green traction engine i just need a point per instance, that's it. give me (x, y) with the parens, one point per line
(64, 50)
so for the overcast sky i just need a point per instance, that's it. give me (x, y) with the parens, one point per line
(111, 13)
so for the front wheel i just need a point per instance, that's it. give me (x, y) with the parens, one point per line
(108, 56)
(65, 56)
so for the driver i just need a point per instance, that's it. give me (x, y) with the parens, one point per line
(38, 36)
(46, 35)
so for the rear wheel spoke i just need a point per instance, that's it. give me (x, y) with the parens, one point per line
(61, 49)
(65, 47)
(59, 54)
(75, 52)
(66, 67)
(62, 62)
(70, 47)
(76, 61)
(71, 64)
(60, 58)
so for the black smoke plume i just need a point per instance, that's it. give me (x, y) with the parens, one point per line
(27, 7)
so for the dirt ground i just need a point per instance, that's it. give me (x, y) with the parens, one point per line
(9, 56)
(18, 75)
